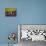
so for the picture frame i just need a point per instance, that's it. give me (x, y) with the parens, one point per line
(10, 11)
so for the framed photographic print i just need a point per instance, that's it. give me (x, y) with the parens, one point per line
(10, 11)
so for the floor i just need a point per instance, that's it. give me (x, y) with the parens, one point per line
(30, 43)
(7, 45)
